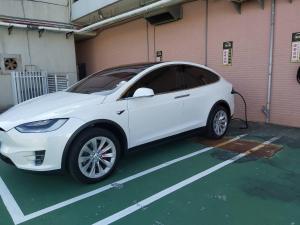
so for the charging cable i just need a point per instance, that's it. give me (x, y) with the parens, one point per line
(234, 92)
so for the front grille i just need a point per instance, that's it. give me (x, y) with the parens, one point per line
(39, 157)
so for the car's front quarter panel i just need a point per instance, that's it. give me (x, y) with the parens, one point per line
(111, 111)
(20, 148)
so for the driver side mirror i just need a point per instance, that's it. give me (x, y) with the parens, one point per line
(143, 92)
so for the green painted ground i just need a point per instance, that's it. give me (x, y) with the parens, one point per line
(250, 191)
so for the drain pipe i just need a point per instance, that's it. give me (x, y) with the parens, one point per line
(25, 26)
(131, 14)
(270, 70)
(206, 32)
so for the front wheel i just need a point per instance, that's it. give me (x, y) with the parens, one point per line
(94, 155)
(217, 123)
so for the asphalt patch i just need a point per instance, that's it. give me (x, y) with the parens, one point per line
(240, 146)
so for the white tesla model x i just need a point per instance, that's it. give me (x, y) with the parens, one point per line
(86, 128)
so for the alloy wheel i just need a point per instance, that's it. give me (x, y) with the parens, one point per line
(220, 122)
(97, 157)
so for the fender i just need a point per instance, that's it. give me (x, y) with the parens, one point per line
(118, 130)
(222, 103)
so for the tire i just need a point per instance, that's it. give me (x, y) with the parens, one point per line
(218, 121)
(89, 164)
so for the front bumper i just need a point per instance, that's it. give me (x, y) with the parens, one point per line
(5, 159)
(21, 148)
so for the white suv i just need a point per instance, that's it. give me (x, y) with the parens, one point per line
(86, 128)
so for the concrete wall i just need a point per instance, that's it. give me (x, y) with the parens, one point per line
(51, 10)
(81, 8)
(52, 52)
(185, 40)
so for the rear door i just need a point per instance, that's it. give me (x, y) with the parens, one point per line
(200, 95)
(159, 116)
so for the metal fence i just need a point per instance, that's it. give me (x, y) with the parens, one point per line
(28, 85)
(58, 82)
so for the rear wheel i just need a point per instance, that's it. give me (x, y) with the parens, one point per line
(218, 121)
(94, 155)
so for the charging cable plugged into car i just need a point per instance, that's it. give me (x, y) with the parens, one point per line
(245, 120)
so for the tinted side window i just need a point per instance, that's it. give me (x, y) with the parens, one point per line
(162, 80)
(196, 77)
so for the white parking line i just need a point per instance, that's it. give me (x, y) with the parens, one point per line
(10, 203)
(20, 218)
(131, 209)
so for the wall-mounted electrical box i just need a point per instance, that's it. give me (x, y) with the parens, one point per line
(227, 53)
(295, 47)
(159, 56)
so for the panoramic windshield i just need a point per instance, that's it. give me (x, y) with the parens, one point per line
(107, 81)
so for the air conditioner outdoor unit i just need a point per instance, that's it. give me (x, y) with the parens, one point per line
(166, 15)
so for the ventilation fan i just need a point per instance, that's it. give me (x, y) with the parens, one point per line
(10, 64)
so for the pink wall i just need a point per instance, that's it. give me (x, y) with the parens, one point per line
(185, 40)
(285, 108)
(249, 32)
(119, 45)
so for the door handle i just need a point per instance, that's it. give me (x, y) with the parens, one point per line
(182, 96)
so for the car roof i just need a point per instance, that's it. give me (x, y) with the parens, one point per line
(138, 66)
(145, 66)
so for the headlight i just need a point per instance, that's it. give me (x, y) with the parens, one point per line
(41, 126)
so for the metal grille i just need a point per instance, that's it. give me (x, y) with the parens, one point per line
(28, 85)
(57, 82)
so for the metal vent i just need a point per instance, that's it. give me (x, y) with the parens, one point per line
(57, 82)
(163, 16)
(10, 64)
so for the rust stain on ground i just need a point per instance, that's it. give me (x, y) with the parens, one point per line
(241, 146)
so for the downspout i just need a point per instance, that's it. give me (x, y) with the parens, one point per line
(70, 9)
(270, 70)
(24, 26)
(131, 14)
(206, 32)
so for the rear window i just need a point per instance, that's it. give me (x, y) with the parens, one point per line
(196, 77)
(107, 81)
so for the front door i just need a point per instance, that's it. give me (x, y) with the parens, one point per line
(159, 116)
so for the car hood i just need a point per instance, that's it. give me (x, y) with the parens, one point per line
(56, 105)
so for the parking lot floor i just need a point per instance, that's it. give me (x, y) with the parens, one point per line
(251, 190)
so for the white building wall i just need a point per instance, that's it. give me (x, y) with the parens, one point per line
(52, 52)
(51, 10)
(82, 8)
